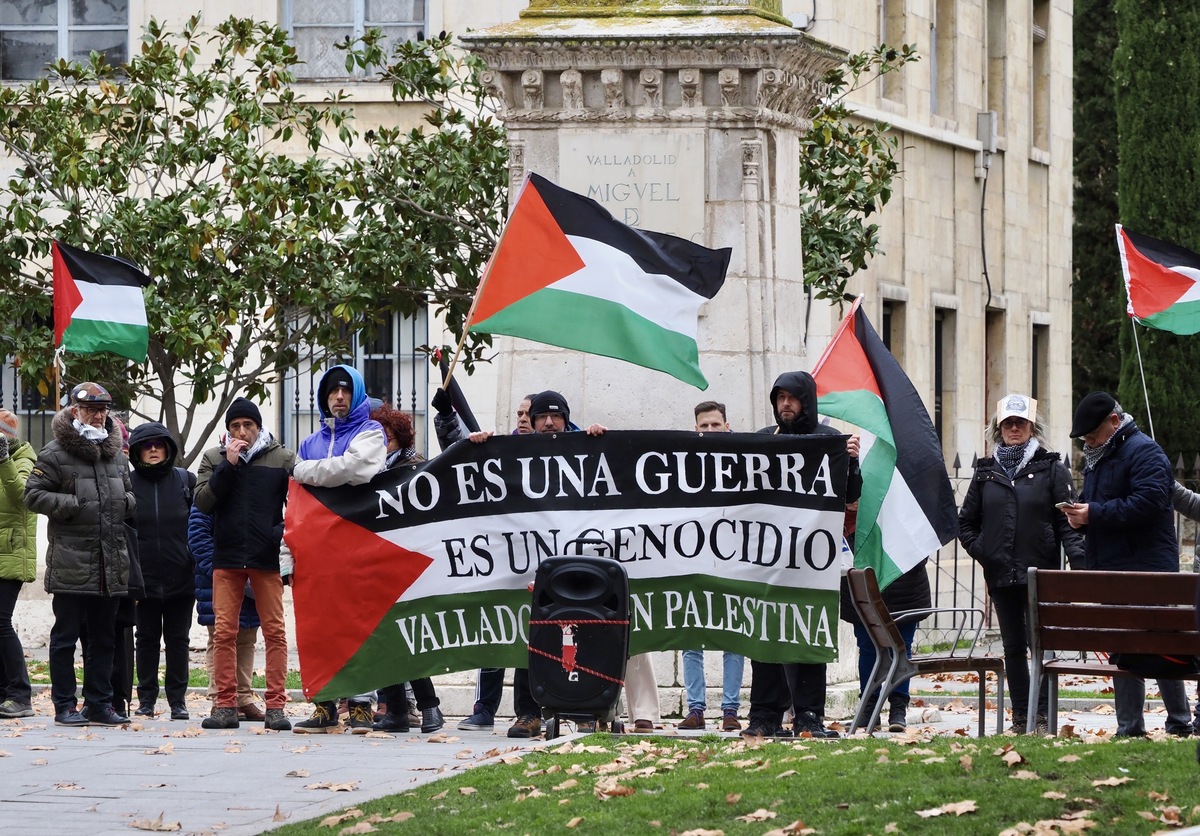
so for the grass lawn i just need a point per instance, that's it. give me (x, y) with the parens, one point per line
(709, 785)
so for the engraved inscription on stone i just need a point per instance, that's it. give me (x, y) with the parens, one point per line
(652, 179)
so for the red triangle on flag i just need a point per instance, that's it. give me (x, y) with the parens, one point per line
(346, 580)
(67, 297)
(1152, 287)
(532, 253)
(844, 366)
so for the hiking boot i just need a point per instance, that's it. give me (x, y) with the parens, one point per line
(106, 715)
(221, 718)
(70, 717)
(481, 720)
(897, 713)
(324, 720)
(11, 709)
(146, 709)
(276, 720)
(359, 718)
(432, 719)
(868, 709)
(1019, 722)
(729, 721)
(526, 726)
(807, 722)
(390, 722)
(760, 727)
(1041, 725)
(179, 712)
(250, 711)
(693, 720)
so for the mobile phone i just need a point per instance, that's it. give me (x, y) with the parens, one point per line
(1063, 504)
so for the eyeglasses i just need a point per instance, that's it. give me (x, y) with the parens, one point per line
(154, 443)
(1013, 423)
(92, 410)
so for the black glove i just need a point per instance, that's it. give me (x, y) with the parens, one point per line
(441, 402)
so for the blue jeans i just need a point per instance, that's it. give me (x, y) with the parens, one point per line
(866, 655)
(1129, 699)
(731, 680)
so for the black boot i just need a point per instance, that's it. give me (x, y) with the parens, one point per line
(868, 710)
(897, 712)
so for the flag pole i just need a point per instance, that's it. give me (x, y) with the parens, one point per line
(487, 272)
(849, 318)
(1142, 371)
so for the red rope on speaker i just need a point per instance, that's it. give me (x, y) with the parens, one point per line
(568, 622)
(560, 660)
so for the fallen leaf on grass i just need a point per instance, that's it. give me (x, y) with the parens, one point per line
(334, 821)
(1024, 775)
(575, 822)
(1158, 796)
(467, 790)
(1054, 796)
(796, 828)
(439, 796)
(703, 833)
(607, 788)
(891, 827)
(733, 798)
(157, 825)
(361, 827)
(1111, 782)
(958, 808)
(330, 785)
(758, 815)
(568, 784)
(967, 763)
(1068, 759)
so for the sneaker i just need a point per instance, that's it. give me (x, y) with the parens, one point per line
(432, 719)
(221, 718)
(481, 720)
(11, 709)
(276, 720)
(323, 720)
(179, 712)
(693, 720)
(729, 722)
(70, 718)
(1018, 725)
(1041, 725)
(359, 718)
(526, 726)
(250, 711)
(106, 715)
(146, 709)
(807, 722)
(392, 723)
(761, 727)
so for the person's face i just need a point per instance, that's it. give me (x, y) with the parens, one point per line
(91, 415)
(244, 429)
(550, 422)
(153, 451)
(524, 426)
(339, 402)
(788, 406)
(392, 444)
(1103, 432)
(711, 422)
(1015, 431)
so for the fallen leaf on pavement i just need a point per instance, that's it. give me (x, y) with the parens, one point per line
(166, 749)
(280, 815)
(157, 825)
(329, 785)
(297, 773)
(67, 785)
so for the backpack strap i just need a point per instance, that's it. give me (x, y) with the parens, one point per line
(187, 483)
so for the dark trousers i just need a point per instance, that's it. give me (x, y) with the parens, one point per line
(775, 687)
(72, 615)
(169, 621)
(489, 689)
(14, 676)
(1012, 611)
(397, 702)
(122, 669)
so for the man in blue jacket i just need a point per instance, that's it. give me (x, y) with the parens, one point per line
(1129, 526)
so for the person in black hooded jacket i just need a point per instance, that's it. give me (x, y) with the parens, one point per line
(164, 493)
(800, 685)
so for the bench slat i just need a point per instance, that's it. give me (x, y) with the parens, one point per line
(1121, 641)
(1134, 587)
(1163, 619)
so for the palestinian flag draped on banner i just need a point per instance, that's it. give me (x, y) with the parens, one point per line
(566, 273)
(98, 304)
(907, 508)
(1162, 282)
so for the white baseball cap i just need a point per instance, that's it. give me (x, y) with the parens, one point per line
(1017, 406)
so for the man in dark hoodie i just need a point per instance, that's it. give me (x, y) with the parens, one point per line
(81, 483)
(164, 499)
(775, 687)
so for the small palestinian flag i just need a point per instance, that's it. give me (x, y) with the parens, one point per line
(566, 273)
(1162, 281)
(98, 304)
(907, 510)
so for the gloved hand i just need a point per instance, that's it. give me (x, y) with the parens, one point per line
(441, 402)
(4, 447)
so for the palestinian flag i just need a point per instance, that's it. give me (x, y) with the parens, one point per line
(566, 273)
(907, 508)
(98, 304)
(1162, 281)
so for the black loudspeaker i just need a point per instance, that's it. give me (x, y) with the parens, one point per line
(578, 634)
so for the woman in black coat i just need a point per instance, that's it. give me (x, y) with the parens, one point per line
(1008, 523)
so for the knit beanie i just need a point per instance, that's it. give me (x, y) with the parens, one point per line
(243, 408)
(8, 425)
(549, 402)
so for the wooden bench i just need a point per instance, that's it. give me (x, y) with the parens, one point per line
(1102, 613)
(892, 664)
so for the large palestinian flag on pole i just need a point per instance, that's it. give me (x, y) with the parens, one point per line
(1162, 282)
(98, 303)
(731, 541)
(566, 273)
(907, 508)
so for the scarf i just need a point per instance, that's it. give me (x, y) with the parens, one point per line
(1093, 455)
(1013, 458)
(92, 434)
(401, 456)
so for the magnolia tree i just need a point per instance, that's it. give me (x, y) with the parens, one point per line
(272, 226)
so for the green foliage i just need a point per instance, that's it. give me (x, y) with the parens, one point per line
(1156, 70)
(271, 226)
(1097, 292)
(846, 171)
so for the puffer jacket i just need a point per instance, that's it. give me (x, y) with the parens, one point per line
(18, 525)
(84, 490)
(1009, 525)
(246, 502)
(163, 494)
(200, 541)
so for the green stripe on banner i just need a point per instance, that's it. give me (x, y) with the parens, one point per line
(466, 631)
(85, 336)
(598, 326)
(1180, 318)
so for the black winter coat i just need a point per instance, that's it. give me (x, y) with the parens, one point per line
(164, 494)
(200, 540)
(84, 490)
(1008, 525)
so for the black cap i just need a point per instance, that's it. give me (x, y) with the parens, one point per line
(549, 401)
(243, 408)
(1091, 412)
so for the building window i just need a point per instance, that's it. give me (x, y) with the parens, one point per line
(941, 59)
(997, 58)
(1040, 76)
(36, 33)
(892, 328)
(316, 25)
(891, 32)
(944, 373)
(1040, 352)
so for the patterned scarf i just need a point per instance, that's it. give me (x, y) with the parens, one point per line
(1093, 455)
(1013, 458)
